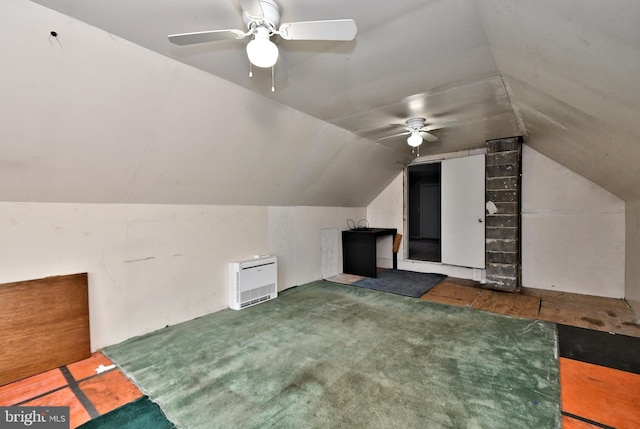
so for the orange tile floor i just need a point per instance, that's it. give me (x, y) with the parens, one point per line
(594, 396)
(87, 393)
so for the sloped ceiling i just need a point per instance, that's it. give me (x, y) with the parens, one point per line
(573, 69)
(96, 115)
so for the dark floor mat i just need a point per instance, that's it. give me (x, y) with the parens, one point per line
(600, 348)
(139, 414)
(400, 282)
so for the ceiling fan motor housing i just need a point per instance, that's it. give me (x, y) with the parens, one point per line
(270, 18)
(415, 123)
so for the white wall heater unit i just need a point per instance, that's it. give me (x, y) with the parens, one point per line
(252, 281)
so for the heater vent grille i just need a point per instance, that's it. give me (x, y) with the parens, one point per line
(257, 295)
(252, 281)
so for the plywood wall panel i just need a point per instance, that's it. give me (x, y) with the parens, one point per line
(44, 324)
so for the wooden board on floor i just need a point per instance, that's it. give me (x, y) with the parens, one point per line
(585, 311)
(452, 294)
(346, 279)
(44, 324)
(512, 304)
(577, 299)
(609, 318)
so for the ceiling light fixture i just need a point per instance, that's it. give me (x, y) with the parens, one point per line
(415, 139)
(261, 51)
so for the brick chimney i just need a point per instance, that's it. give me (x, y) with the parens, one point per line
(502, 234)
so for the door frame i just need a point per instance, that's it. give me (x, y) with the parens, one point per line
(478, 214)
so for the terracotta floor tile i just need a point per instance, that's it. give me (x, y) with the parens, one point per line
(20, 391)
(63, 398)
(571, 423)
(109, 391)
(87, 367)
(600, 394)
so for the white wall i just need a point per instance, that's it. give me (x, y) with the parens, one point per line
(294, 235)
(386, 211)
(632, 242)
(155, 265)
(573, 231)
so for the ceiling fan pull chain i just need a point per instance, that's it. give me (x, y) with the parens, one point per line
(273, 85)
(250, 70)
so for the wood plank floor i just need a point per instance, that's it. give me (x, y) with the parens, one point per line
(585, 311)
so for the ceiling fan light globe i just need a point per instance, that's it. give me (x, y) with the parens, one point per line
(414, 140)
(262, 52)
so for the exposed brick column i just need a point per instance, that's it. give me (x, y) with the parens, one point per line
(503, 174)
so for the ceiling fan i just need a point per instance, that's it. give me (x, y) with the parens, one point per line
(262, 18)
(418, 130)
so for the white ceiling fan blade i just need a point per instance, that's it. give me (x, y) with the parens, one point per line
(396, 135)
(439, 125)
(253, 8)
(372, 133)
(206, 36)
(428, 136)
(339, 29)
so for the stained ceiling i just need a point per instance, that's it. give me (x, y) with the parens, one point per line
(565, 74)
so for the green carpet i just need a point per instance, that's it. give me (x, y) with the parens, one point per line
(139, 414)
(325, 355)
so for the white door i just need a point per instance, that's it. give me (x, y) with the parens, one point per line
(463, 208)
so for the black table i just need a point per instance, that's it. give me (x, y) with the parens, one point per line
(359, 250)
